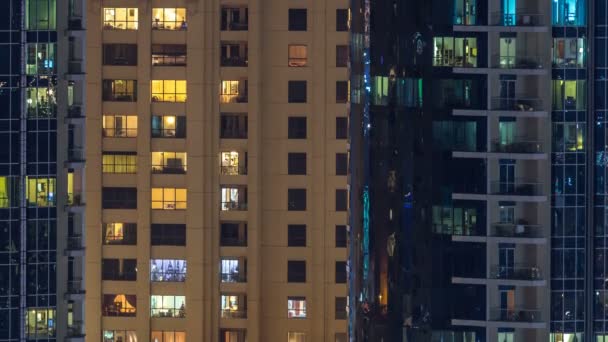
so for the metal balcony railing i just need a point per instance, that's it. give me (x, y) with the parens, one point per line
(517, 103)
(522, 230)
(516, 272)
(515, 315)
(75, 243)
(233, 313)
(76, 329)
(233, 242)
(519, 145)
(75, 154)
(517, 62)
(517, 19)
(233, 170)
(234, 206)
(75, 286)
(516, 188)
(234, 61)
(233, 277)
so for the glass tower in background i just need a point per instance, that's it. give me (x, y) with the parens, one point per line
(40, 244)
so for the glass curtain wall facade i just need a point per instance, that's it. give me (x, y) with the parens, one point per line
(34, 216)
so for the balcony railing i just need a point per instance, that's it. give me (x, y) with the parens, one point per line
(517, 19)
(75, 200)
(233, 241)
(75, 242)
(517, 62)
(75, 22)
(75, 286)
(167, 169)
(234, 61)
(520, 145)
(522, 230)
(517, 103)
(233, 277)
(75, 66)
(516, 188)
(515, 315)
(76, 329)
(76, 154)
(75, 111)
(231, 313)
(233, 170)
(234, 206)
(516, 272)
(234, 98)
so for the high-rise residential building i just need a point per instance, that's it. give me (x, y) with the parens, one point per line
(478, 160)
(216, 170)
(41, 226)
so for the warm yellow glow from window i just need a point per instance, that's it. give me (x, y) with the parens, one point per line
(4, 192)
(40, 323)
(40, 192)
(169, 198)
(119, 126)
(169, 19)
(113, 232)
(229, 163)
(169, 91)
(298, 55)
(119, 163)
(120, 18)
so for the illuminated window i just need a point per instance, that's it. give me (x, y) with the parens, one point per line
(569, 52)
(233, 270)
(119, 305)
(233, 335)
(569, 95)
(296, 307)
(169, 19)
(40, 15)
(40, 192)
(455, 52)
(8, 192)
(168, 126)
(169, 162)
(119, 90)
(229, 164)
(168, 306)
(565, 337)
(41, 102)
(40, 323)
(168, 336)
(40, 59)
(233, 91)
(569, 12)
(298, 55)
(119, 126)
(233, 198)
(119, 162)
(233, 306)
(168, 91)
(168, 270)
(120, 18)
(119, 233)
(119, 336)
(294, 336)
(169, 198)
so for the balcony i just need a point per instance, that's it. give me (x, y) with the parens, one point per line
(233, 206)
(75, 246)
(75, 290)
(75, 114)
(516, 315)
(75, 332)
(517, 104)
(233, 313)
(233, 170)
(233, 277)
(519, 145)
(517, 230)
(517, 272)
(234, 61)
(75, 158)
(521, 19)
(517, 188)
(532, 64)
(234, 19)
(75, 69)
(75, 203)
